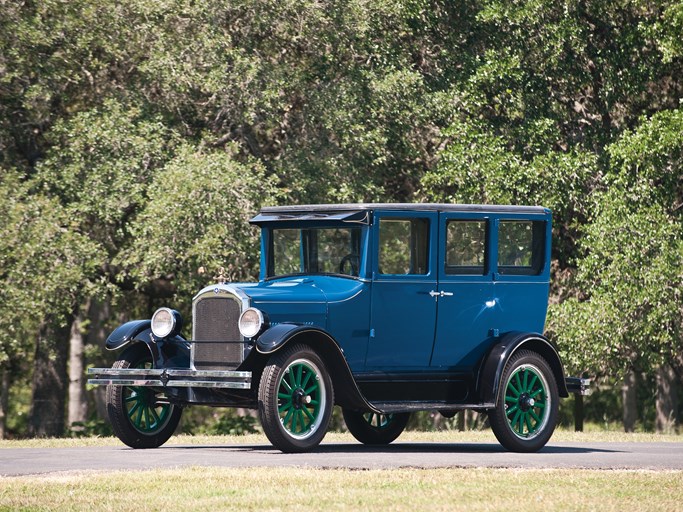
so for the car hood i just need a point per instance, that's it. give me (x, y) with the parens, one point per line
(303, 299)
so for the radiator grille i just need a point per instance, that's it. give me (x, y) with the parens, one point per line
(217, 341)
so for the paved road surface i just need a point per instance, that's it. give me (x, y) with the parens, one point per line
(650, 456)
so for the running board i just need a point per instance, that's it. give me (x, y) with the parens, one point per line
(169, 377)
(396, 407)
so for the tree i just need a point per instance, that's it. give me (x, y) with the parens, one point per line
(629, 311)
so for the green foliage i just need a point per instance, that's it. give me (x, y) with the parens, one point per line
(137, 137)
(196, 220)
(629, 313)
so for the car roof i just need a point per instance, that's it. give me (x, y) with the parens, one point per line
(347, 211)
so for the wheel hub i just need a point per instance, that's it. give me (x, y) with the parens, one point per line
(299, 398)
(526, 402)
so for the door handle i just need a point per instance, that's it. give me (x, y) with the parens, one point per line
(440, 294)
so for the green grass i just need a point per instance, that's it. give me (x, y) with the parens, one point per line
(338, 489)
(214, 489)
(448, 436)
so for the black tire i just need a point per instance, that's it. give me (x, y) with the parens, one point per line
(373, 428)
(140, 416)
(295, 399)
(525, 415)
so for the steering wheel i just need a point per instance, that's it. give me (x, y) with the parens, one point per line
(353, 261)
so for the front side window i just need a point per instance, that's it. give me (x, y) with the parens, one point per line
(403, 246)
(331, 250)
(521, 246)
(466, 247)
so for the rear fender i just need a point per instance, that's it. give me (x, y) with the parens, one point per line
(494, 364)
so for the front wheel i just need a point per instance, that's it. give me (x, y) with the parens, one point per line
(526, 407)
(141, 416)
(295, 399)
(375, 428)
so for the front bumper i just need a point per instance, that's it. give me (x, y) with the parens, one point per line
(169, 377)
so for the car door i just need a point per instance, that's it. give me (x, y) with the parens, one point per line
(403, 309)
(466, 304)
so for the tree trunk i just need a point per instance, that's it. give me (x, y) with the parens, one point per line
(628, 394)
(78, 402)
(46, 418)
(4, 400)
(666, 419)
(99, 313)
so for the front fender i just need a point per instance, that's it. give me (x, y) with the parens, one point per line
(171, 352)
(494, 364)
(123, 334)
(346, 391)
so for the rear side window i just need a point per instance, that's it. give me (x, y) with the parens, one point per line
(466, 247)
(521, 246)
(403, 246)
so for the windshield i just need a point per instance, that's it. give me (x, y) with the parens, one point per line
(327, 250)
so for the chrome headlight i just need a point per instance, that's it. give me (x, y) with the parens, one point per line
(252, 322)
(165, 322)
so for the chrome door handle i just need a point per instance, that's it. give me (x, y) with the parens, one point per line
(440, 294)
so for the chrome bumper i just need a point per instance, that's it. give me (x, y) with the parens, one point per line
(578, 385)
(169, 377)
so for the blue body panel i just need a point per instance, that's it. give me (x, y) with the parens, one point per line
(392, 323)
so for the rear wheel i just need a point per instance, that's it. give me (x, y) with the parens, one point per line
(375, 428)
(526, 407)
(295, 399)
(141, 416)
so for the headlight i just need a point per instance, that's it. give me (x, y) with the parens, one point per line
(165, 322)
(251, 323)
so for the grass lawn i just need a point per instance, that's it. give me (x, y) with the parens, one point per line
(333, 489)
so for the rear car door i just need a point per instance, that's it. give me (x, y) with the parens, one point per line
(466, 302)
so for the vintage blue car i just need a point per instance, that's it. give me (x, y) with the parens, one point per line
(382, 309)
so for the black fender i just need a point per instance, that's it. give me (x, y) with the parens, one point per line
(170, 352)
(494, 364)
(124, 334)
(347, 393)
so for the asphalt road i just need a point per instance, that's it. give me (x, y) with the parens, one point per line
(635, 456)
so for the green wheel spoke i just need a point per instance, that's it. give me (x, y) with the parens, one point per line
(138, 420)
(527, 420)
(312, 388)
(147, 421)
(288, 416)
(298, 375)
(285, 406)
(309, 414)
(533, 381)
(290, 380)
(155, 416)
(302, 421)
(512, 409)
(535, 416)
(511, 399)
(306, 379)
(284, 396)
(518, 413)
(519, 383)
(525, 381)
(522, 419)
(133, 409)
(514, 390)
